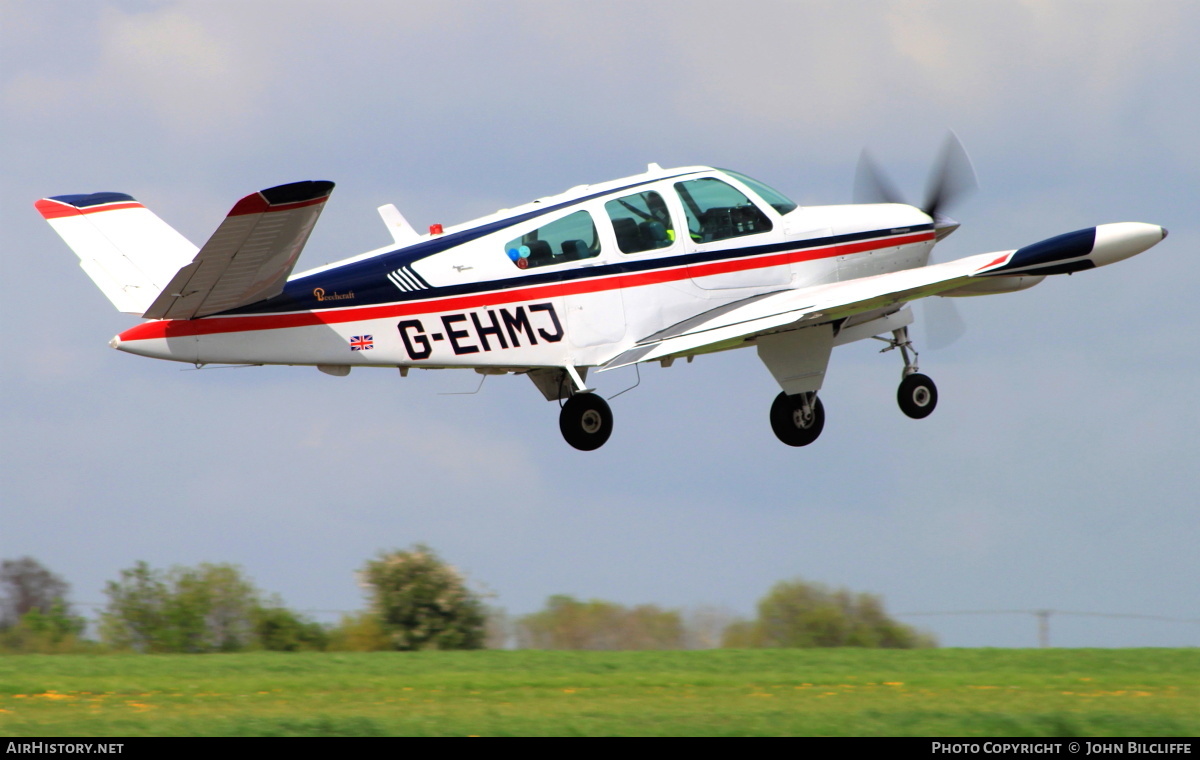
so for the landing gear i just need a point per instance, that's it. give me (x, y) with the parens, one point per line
(797, 420)
(586, 421)
(917, 396)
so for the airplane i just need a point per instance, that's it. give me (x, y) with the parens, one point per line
(664, 265)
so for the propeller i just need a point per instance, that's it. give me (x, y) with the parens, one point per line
(951, 179)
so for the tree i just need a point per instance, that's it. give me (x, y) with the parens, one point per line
(28, 586)
(801, 614)
(421, 602)
(279, 629)
(568, 623)
(360, 632)
(209, 608)
(34, 614)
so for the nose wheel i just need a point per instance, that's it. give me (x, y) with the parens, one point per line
(797, 420)
(917, 396)
(586, 421)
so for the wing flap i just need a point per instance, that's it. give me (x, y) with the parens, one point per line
(250, 256)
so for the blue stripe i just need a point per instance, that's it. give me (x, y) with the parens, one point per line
(371, 286)
(94, 199)
(1060, 248)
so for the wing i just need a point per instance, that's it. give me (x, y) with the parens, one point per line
(1002, 271)
(250, 256)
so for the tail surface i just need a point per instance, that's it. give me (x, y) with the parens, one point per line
(250, 256)
(128, 252)
(147, 268)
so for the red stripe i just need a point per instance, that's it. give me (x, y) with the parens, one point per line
(178, 328)
(256, 204)
(57, 209)
(1000, 260)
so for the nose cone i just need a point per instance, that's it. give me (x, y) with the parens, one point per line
(115, 342)
(944, 225)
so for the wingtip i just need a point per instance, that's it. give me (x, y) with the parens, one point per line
(284, 197)
(58, 206)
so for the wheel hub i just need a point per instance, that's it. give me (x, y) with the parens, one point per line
(591, 421)
(802, 419)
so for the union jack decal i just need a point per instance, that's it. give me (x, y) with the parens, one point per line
(362, 343)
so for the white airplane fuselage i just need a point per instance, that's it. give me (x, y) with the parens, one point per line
(456, 299)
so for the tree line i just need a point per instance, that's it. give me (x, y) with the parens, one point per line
(415, 601)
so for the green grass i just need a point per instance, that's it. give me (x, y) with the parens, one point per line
(840, 692)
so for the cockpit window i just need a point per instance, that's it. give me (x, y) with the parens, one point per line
(773, 197)
(569, 239)
(641, 222)
(718, 211)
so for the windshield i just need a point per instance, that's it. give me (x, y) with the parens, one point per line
(776, 199)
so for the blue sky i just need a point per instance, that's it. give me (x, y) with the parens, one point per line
(1058, 472)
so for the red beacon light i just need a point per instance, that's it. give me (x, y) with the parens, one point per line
(435, 229)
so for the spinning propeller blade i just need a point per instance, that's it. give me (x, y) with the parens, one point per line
(951, 179)
(871, 185)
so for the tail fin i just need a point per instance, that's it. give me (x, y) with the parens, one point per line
(128, 252)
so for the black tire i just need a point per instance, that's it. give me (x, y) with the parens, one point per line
(586, 421)
(917, 396)
(789, 425)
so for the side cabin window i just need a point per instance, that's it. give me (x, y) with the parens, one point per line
(569, 239)
(718, 211)
(641, 222)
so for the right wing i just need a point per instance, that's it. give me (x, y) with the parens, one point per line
(250, 256)
(1003, 271)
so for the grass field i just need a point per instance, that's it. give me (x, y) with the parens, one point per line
(838, 692)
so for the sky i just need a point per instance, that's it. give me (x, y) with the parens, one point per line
(1059, 471)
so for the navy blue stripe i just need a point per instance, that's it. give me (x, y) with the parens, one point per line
(1070, 245)
(419, 279)
(93, 199)
(297, 192)
(371, 286)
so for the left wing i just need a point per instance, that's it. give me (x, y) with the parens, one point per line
(250, 256)
(1001, 271)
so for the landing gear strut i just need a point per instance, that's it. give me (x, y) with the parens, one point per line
(917, 394)
(586, 421)
(797, 420)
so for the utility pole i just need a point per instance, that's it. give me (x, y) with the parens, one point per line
(1043, 617)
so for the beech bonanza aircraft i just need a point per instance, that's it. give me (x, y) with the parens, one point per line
(663, 265)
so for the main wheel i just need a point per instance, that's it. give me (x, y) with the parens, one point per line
(790, 423)
(917, 396)
(586, 421)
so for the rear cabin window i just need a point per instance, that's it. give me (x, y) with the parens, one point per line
(718, 211)
(569, 239)
(641, 222)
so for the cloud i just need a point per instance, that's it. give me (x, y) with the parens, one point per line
(171, 63)
(166, 64)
